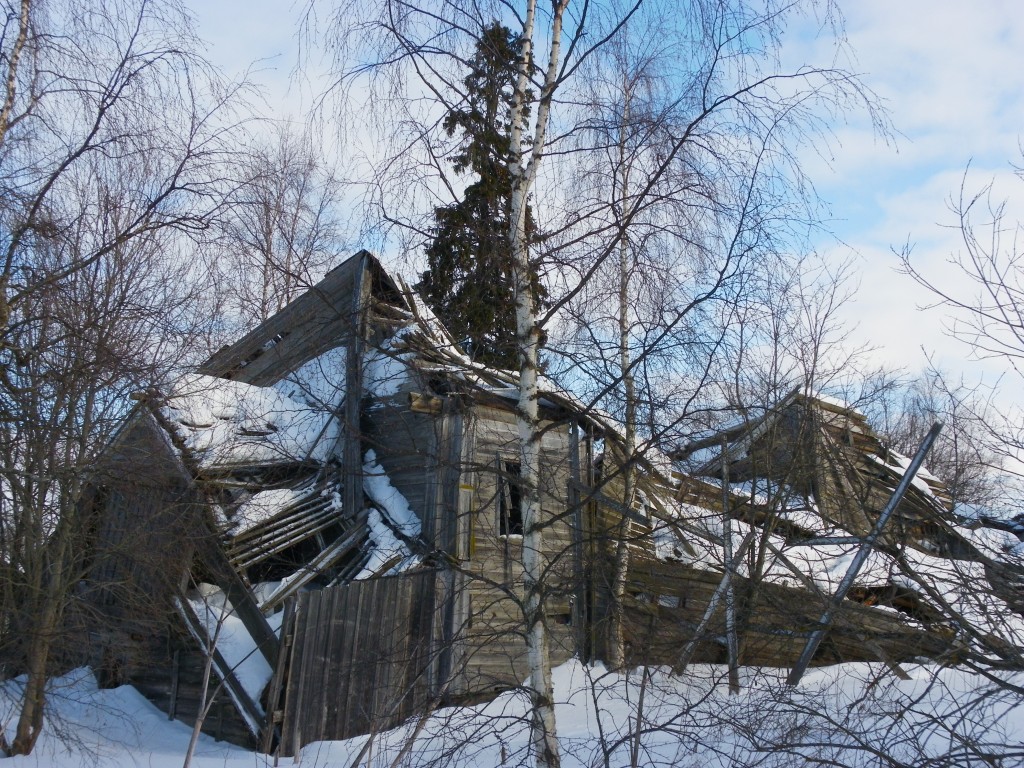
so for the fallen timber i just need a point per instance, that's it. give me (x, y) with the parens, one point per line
(666, 602)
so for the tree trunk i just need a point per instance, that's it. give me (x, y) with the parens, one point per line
(528, 336)
(12, 69)
(33, 702)
(620, 568)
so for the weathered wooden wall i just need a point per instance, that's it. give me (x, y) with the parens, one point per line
(666, 602)
(171, 677)
(147, 526)
(413, 444)
(489, 615)
(445, 456)
(143, 519)
(364, 656)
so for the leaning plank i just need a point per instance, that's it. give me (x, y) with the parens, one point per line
(275, 713)
(247, 708)
(241, 597)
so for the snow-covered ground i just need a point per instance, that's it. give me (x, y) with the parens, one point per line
(847, 715)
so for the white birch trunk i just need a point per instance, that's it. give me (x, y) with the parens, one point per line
(620, 192)
(528, 335)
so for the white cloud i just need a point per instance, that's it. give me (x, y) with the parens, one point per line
(950, 75)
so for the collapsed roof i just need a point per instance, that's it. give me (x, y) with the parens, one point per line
(269, 421)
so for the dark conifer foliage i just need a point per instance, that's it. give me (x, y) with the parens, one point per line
(468, 282)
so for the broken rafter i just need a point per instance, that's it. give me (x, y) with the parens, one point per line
(330, 555)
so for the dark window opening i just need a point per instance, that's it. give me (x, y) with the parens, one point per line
(510, 502)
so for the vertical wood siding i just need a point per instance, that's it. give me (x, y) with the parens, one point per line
(364, 657)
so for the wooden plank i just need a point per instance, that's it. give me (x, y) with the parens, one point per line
(450, 454)
(306, 615)
(314, 322)
(352, 678)
(275, 711)
(330, 555)
(329, 620)
(175, 676)
(429, 404)
(388, 680)
(352, 453)
(240, 596)
(366, 652)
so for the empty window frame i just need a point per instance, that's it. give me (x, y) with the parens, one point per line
(510, 500)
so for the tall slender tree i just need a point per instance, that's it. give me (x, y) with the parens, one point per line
(281, 230)
(113, 137)
(469, 282)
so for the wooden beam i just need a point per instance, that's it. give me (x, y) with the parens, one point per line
(352, 453)
(247, 708)
(862, 555)
(240, 596)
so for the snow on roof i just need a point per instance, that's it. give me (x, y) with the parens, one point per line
(262, 507)
(963, 586)
(900, 464)
(228, 423)
(958, 588)
(993, 542)
(829, 400)
(825, 565)
(320, 383)
(387, 548)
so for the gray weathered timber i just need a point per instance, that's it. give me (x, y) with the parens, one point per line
(861, 557)
(490, 620)
(362, 658)
(667, 602)
(317, 321)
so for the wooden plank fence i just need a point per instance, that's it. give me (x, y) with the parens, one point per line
(364, 656)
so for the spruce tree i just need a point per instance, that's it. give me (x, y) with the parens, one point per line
(468, 283)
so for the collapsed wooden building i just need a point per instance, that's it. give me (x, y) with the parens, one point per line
(328, 514)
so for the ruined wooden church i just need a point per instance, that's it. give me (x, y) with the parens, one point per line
(327, 513)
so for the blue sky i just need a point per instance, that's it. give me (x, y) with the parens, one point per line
(951, 78)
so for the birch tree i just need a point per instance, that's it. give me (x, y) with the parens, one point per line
(524, 167)
(113, 139)
(280, 230)
(692, 204)
(981, 290)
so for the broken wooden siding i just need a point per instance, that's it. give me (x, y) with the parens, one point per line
(322, 318)
(406, 443)
(828, 452)
(149, 527)
(363, 657)
(145, 524)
